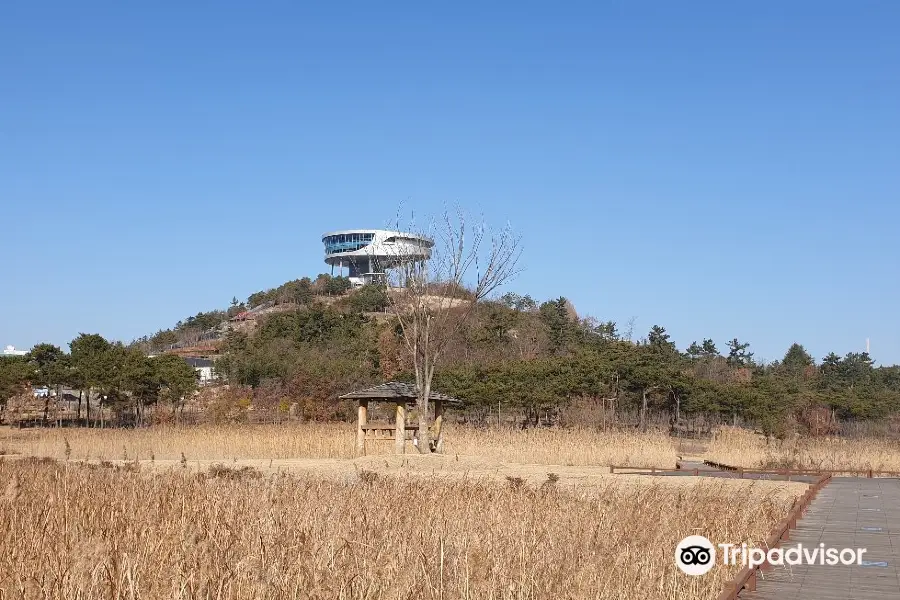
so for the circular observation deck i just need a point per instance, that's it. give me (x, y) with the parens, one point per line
(368, 253)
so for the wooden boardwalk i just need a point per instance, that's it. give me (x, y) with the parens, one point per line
(847, 513)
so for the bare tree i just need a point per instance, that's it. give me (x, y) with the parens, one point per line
(434, 298)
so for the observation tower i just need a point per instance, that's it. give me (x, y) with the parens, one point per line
(368, 253)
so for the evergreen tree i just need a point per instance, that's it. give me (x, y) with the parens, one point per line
(796, 359)
(555, 315)
(738, 356)
(694, 351)
(658, 339)
(709, 348)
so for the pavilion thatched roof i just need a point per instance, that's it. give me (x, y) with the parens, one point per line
(394, 391)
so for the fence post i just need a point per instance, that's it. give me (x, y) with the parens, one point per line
(361, 421)
(400, 427)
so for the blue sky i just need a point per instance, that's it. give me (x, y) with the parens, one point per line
(723, 170)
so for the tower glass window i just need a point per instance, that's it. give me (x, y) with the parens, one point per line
(347, 242)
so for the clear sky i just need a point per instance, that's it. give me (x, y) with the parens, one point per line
(723, 169)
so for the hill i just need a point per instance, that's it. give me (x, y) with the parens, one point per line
(307, 341)
(310, 340)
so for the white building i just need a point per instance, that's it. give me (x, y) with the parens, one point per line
(204, 368)
(367, 253)
(11, 351)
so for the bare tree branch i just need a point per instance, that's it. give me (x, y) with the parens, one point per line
(434, 298)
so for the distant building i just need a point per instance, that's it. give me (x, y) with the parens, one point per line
(368, 253)
(203, 366)
(11, 351)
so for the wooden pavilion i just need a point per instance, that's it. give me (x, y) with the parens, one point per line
(401, 395)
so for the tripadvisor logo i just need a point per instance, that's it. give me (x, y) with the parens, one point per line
(695, 555)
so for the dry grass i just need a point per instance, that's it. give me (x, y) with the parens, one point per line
(739, 447)
(541, 446)
(565, 446)
(75, 531)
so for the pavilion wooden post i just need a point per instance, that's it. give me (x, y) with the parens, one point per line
(400, 431)
(361, 421)
(438, 422)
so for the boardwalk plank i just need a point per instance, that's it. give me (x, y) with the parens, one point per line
(847, 513)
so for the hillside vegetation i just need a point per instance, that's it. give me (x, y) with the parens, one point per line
(544, 362)
(537, 362)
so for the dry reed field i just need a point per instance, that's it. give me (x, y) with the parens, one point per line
(334, 440)
(739, 447)
(76, 531)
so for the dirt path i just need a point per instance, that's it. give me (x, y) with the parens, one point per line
(573, 478)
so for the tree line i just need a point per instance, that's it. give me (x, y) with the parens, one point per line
(115, 377)
(540, 357)
(531, 357)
